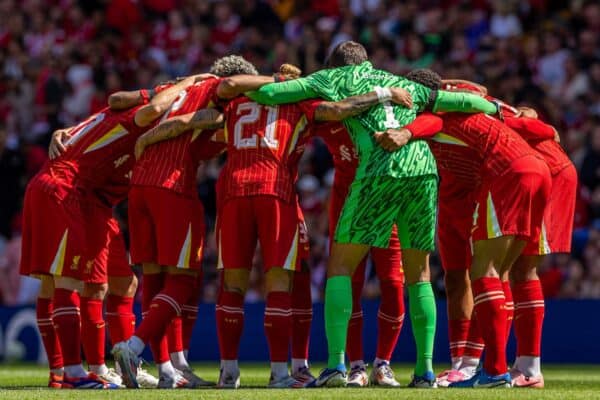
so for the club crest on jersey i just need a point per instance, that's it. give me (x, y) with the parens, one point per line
(75, 263)
(88, 266)
(121, 160)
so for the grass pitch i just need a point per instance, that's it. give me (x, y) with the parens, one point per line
(562, 382)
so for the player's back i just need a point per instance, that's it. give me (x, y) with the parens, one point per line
(496, 144)
(413, 159)
(99, 153)
(341, 148)
(260, 142)
(172, 164)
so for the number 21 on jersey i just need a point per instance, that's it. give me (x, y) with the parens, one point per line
(251, 114)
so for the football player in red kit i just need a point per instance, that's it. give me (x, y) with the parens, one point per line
(555, 237)
(81, 248)
(166, 221)
(509, 210)
(256, 200)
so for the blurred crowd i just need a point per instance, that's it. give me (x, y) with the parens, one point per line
(59, 60)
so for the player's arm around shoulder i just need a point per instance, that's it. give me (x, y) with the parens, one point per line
(354, 105)
(462, 102)
(208, 118)
(160, 102)
(234, 86)
(291, 91)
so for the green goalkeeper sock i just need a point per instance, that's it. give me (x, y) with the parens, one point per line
(338, 307)
(423, 319)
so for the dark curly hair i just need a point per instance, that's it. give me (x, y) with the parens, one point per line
(232, 65)
(425, 77)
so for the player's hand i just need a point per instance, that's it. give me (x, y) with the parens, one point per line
(393, 139)
(556, 135)
(58, 143)
(140, 146)
(402, 97)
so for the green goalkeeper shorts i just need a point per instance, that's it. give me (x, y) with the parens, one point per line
(375, 204)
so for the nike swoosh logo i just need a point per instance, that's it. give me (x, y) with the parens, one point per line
(334, 131)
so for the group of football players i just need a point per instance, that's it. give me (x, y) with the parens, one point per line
(411, 154)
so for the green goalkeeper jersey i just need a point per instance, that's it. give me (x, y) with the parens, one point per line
(413, 159)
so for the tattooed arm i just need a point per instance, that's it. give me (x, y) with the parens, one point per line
(354, 105)
(207, 118)
(235, 85)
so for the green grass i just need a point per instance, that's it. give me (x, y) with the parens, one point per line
(562, 382)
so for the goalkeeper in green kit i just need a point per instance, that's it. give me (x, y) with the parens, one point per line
(390, 188)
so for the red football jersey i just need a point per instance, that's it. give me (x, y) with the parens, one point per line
(540, 137)
(341, 148)
(173, 164)
(496, 145)
(99, 154)
(260, 142)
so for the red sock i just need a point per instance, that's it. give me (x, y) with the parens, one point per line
(189, 313)
(120, 318)
(43, 311)
(474, 347)
(278, 325)
(390, 317)
(165, 306)
(354, 341)
(510, 307)
(529, 317)
(67, 323)
(491, 316)
(301, 314)
(458, 331)
(230, 323)
(152, 285)
(174, 335)
(93, 331)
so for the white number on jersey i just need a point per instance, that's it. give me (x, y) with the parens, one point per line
(269, 140)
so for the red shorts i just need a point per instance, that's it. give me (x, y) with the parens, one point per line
(53, 236)
(166, 228)
(455, 220)
(244, 221)
(105, 254)
(557, 229)
(514, 204)
(388, 261)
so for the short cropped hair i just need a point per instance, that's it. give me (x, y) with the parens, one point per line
(425, 77)
(347, 53)
(232, 65)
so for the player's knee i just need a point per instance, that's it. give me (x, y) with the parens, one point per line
(416, 266)
(278, 280)
(457, 283)
(236, 280)
(151, 268)
(62, 282)
(46, 287)
(95, 291)
(124, 286)
(525, 269)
